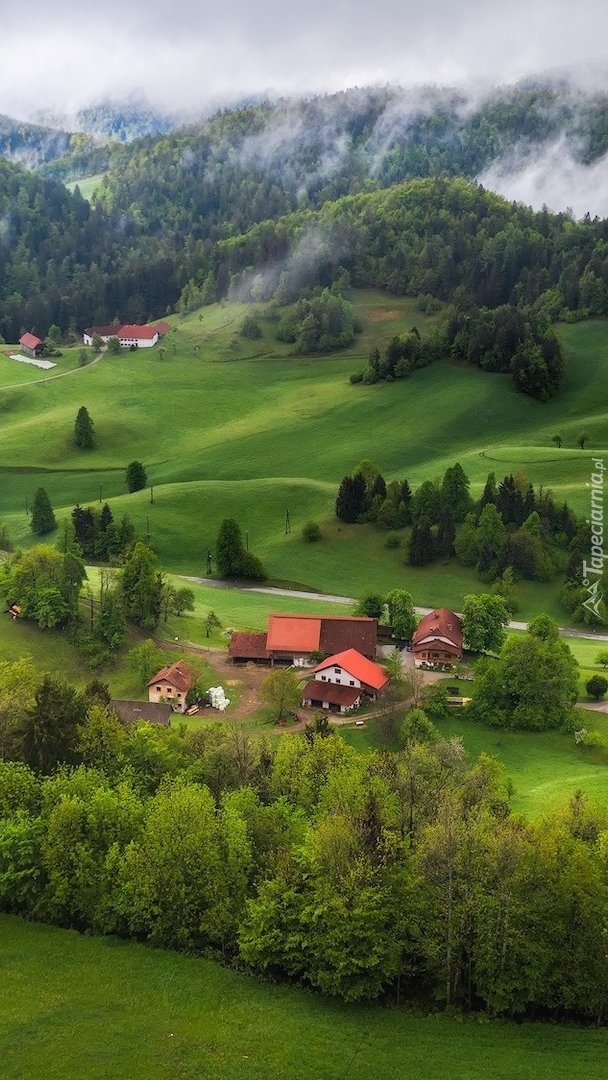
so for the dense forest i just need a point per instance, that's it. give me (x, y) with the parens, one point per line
(402, 875)
(270, 200)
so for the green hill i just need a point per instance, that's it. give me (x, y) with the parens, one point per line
(227, 427)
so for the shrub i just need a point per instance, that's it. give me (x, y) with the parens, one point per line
(311, 532)
(596, 686)
(393, 540)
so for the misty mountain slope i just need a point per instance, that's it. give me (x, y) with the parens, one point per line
(311, 151)
(31, 144)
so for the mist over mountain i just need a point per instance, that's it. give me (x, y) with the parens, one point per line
(541, 142)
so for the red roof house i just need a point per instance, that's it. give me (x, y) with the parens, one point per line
(437, 640)
(350, 668)
(31, 344)
(172, 684)
(130, 335)
(343, 680)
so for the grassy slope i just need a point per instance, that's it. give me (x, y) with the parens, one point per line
(74, 1007)
(232, 427)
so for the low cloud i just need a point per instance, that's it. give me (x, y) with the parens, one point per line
(553, 177)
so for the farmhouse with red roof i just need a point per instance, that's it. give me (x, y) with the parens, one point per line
(342, 681)
(130, 335)
(31, 344)
(172, 684)
(437, 640)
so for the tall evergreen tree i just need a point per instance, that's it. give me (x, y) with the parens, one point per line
(43, 518)
(84, 436)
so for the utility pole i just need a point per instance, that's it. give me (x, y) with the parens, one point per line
(287, 523)
(151, 494)
(148, 527)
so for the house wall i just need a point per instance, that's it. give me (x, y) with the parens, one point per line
(141, 343)
(433, 655)
(164, 691)
(337, 675)
(319, 703)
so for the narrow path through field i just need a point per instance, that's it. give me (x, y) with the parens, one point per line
(61, 375)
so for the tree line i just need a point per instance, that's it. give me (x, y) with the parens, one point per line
(512, 531)
(397, 875)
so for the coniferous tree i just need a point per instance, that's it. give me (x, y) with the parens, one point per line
(43, 518)
(136, 476)
(84, 436)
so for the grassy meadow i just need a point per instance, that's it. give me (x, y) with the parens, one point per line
(232, 427)
(74, 1007)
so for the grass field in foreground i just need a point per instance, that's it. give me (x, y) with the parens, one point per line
(74, 1007)
(231, 427)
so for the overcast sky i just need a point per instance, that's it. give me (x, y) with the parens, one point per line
(61, 54)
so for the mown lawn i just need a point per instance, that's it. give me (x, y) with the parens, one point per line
(74, 1007)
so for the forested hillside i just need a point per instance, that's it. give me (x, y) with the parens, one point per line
(270, 200)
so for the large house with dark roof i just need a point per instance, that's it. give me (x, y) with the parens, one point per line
(343, 681)
(293, 639)
(437, 640)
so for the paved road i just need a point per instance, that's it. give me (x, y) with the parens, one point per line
(565, 631)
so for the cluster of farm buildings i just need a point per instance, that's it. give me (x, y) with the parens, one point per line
(337, 654)
(130, 336)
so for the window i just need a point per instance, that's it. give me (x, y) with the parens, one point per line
(352, 682)
(337, 670)
(159, 688)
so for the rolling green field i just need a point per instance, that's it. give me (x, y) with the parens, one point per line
(231, 427)
(73, 1007)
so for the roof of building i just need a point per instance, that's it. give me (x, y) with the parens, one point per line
(321, 633)
(366, 671)
(250, 646)
(162, 328)
(30, 341)
(177, 674)
(341, 632)
(293, 633)
(131, 330)
(332, 693)
(441, 624)
(103, 331)
(154, 712)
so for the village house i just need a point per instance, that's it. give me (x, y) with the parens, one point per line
(437, 640)
(172, 684)
(294, 639)
(344, 681)
(130, 336)
(31, 344)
